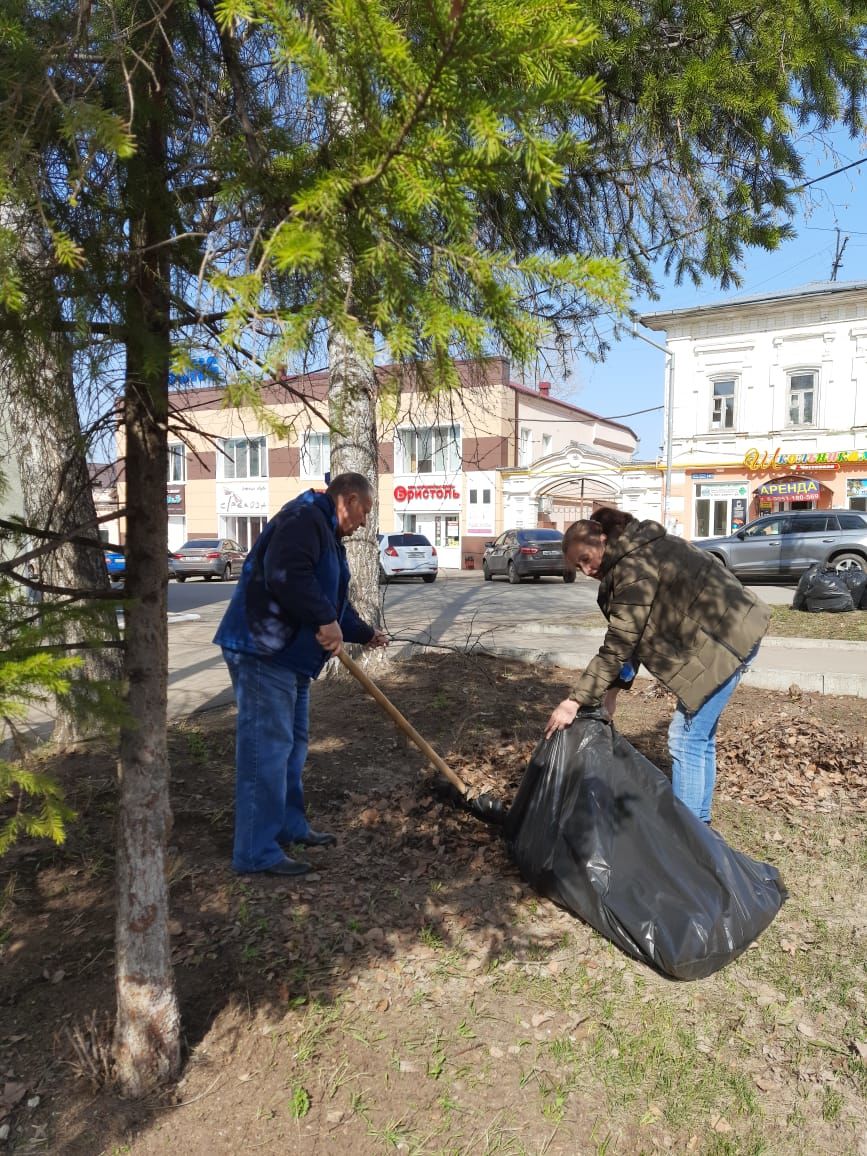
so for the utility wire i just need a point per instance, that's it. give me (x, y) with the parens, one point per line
(794, 189)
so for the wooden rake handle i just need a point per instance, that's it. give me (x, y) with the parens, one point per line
(404, 724)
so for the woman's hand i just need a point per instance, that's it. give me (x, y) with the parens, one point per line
(562, 716)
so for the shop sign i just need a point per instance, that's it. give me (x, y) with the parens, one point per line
(723, 490)
(757, 460)
(425, 493)
(201, 369)
(175, 499)
(242, 497)
(796, 489)
(701, 477)
(856, 487)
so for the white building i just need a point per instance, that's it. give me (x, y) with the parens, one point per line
(768, 399)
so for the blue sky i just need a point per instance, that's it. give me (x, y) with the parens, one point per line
(632, 377)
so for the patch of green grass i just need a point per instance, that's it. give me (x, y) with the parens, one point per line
(299, 1102)
(429, 937)
(658, 1059)
(832, 1102)
(788, 623)
(317, 1024)
(197, 746)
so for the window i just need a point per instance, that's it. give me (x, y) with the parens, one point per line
(243, 458)
(723, 404)
(802, 396)
(767, 528)
(435, 450)
(244, 531)
(852, 521)
(177, 462)
(315, 454)
(526, 450)
(711, 517)
(814, 524)
(486, 495)
(546, 444)
(474, 497)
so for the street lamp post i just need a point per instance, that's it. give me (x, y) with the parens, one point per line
(669, 411)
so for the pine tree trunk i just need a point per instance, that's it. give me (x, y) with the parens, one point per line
(352, 398)
(42, 428)
(147, 1031)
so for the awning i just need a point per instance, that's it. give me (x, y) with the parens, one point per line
(790, 490)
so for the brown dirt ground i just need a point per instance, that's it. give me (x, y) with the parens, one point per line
(413, 994)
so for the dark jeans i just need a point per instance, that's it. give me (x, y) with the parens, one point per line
(270, 751)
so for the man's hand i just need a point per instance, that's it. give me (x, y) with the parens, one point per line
(609, 702)
(562, 716)
(330, 637)
(380, 638)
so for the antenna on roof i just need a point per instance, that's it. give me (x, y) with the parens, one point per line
(838, 256)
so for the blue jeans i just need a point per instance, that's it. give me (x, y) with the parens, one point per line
(692, 745)
(270, 751)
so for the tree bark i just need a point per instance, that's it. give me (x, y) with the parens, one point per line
(352, 399)
(147, 1031)
(42, 428)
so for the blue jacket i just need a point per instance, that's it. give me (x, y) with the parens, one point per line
(294, 580)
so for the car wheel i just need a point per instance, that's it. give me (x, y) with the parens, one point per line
(486, 572)
(227, 573)
(180, 577)
(719, 558)
(428, 577)
(843, 562)
(514, 577)
(568, 575)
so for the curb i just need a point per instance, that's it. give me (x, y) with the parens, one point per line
(772, 640)
(816, 682)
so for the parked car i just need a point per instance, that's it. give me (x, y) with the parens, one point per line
(208, 558)
(518, 554)
(783, 546)
(115, 563)
(407, 556)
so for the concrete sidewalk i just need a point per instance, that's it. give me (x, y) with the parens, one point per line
(812, 664)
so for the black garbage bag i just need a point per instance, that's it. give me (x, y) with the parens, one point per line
(856, 581)
(596, 828)
(799, 601)
(829, 593)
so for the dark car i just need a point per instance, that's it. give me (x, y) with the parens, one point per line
(518, 554)
(208, 558)
(783, 546)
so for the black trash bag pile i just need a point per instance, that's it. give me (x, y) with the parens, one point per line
(856, 580)
(823, 589)
(597, 828)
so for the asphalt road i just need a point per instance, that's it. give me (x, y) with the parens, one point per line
(461, 594)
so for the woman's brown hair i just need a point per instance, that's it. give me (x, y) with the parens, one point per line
(605, 520)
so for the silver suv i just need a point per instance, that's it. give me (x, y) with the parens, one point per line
(783, 546)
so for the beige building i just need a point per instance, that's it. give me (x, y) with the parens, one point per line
(450, 466)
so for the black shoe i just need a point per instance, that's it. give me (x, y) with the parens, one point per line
(317, 839)
(288, 867)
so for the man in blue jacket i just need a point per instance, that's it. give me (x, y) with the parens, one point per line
(289, 614)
